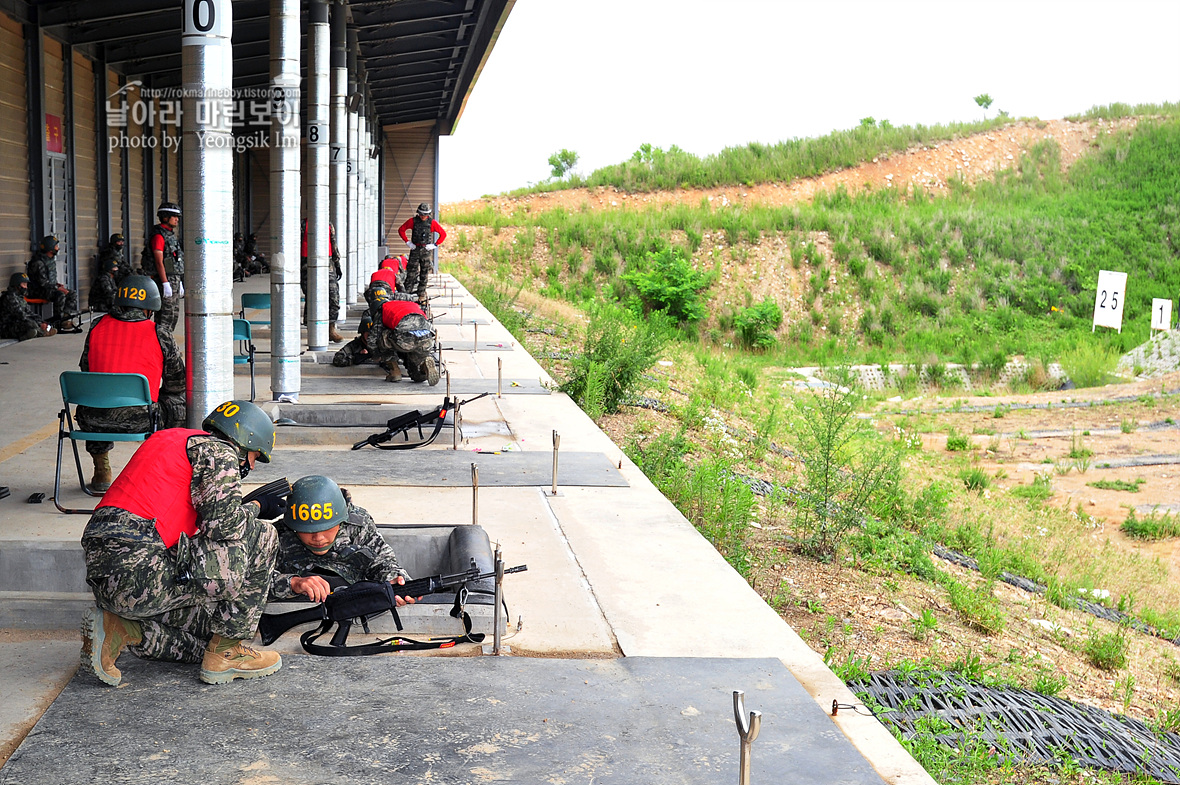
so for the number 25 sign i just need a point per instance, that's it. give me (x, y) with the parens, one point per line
(1109, 299)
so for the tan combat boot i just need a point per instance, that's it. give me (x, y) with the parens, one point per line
(101, 481)
(104, 636)
(432, 375)
(395, 373)
(67, 325)
(227, 659)
(333, 334)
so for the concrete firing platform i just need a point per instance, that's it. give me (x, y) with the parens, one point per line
(431, 719)
(375, 384)
(442, 468)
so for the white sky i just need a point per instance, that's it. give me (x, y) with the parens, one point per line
(601, 77)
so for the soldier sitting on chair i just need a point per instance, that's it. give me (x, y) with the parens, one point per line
(16, 318)
(127, 341)
(43, 285)
(324, 535)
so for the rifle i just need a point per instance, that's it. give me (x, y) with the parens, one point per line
(280, 485)
(363, 600)
(403, 423)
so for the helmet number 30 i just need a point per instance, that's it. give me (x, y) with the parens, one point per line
(229, 409)
(313, 512)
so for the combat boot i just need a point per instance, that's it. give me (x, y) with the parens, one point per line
(227, 659)
(432, 375)
(333, 334)
(67, 326)
(101, 481)
(395, 373)
(104, 636)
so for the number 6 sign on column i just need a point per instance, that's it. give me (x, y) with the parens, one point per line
(1109, 299)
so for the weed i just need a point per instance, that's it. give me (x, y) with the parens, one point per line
(1129, 425)
(1077, 447)
(978, 607)
(1106, 651)
(975, 479)
(1049, 683)
(1168, 721)
(1154, 526)
(1040, 490)
(999, 412)
(1124, 690)
(853, 668)
(1118, 485)
(957, 442)
(924, 625)
(1089, 365)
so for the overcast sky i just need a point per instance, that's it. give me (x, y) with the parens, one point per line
(601, 77)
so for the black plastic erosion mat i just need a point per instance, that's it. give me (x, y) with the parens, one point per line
(447, 720)
(441, 468)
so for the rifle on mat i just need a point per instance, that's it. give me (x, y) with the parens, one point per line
(365, 599)
(404, 423)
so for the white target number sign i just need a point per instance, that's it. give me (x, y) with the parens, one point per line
(1161, 314)
(1109, 300)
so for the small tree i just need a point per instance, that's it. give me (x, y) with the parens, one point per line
(562, 161)
(668, 282)
(985, 101)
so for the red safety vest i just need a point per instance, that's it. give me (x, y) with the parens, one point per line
(389, 276)
(156, 483)
(396, 310)
(127, 347)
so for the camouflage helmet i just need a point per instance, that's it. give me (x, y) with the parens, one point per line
(48, 242)
(388, 263)
(110, 264)
(139, 291)
(17, 280)
(424, 209)
(116, 238)
(366, 323)
(245, 425)
(167, 209)
(316, 504)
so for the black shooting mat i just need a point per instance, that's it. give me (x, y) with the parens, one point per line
(292, 415)
(354, 383)
(442, 468)
(1024, 725)
(449, 720)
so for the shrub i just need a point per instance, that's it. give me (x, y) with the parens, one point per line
(957, 442)
(757, 324)
(668, 282)
(1107, 651)
(1089, 365)
(617, 352)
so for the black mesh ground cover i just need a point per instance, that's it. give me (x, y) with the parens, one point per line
(1023, 725)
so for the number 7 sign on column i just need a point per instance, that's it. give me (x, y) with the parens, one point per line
(1109, 299)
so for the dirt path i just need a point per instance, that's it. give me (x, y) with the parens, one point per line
(971, 158)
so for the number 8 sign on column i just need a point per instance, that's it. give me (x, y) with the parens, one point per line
(1109, 299)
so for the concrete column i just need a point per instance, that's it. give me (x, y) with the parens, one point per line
(353, 182)
(339, 139)
(286, 342)
(318, 192)
(207, 82)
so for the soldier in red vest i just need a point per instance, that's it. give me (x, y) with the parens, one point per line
(401, 331)
(127, 341)
(179, 566)
(422, 234)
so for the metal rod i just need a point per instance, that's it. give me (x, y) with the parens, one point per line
(474, 495)
(747, 731)
(448, 373)
(499, 377)
(454, 419)
(460, 313)
(475, 340)
(499, 601)
(556, 446)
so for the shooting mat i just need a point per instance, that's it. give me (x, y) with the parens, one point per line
(441, 468)
(440, 719)
(374, 384)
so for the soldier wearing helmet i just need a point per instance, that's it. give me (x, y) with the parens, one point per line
(422, 234)
(355, 352)
(402, 333)
(324, 535)
(16, 318)
(102, 291)
(43, 285)
(126, 340)
(179, 566)
(334, 276)
(163, 260)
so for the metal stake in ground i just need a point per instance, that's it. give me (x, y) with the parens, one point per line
(497, 648)
(474, 495)
(556, 446)
(499, 377)
(475, 336)
(748, 731)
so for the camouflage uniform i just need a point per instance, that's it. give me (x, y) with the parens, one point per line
(16, 318)
(102, 293)
(359, 553)
(355, 352)
(334, 276)
(135, 419)
(421, 262)
(42, 269)
(412, 341)
(173, 268)
(253, 260)
(229, 563)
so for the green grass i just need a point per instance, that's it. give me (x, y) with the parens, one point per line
(1040, 490)
(1106, 650)
(1118, 485)
(1154, 526)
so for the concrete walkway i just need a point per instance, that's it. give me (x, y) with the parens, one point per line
(614, 572)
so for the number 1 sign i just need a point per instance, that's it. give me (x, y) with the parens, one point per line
(1108, 301)
(1161, 314)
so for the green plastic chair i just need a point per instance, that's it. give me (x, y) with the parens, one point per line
(256, 301)
(98, 391)
(245, 352)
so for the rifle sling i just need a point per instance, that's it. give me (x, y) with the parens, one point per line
(396, 643)
(438, 424)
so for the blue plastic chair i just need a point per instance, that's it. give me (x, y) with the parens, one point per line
(245, 352)
(98, 391)
(256, 301)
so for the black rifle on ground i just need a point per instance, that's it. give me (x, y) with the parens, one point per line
(404, 423)
(363, 600)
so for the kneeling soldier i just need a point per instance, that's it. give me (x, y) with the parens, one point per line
(127, 341)
(401, 331)
(324, 534)
(179, 566)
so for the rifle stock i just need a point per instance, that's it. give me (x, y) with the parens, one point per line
(272, 625)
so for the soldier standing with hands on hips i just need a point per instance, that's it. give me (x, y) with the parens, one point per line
(163, 260)
(424, 236)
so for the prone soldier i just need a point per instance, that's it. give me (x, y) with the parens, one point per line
(16, 318)
(179, 566)
(127, 341)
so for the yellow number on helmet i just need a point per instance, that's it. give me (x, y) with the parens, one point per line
(328, 510)
(302, 512)
(316, 514)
